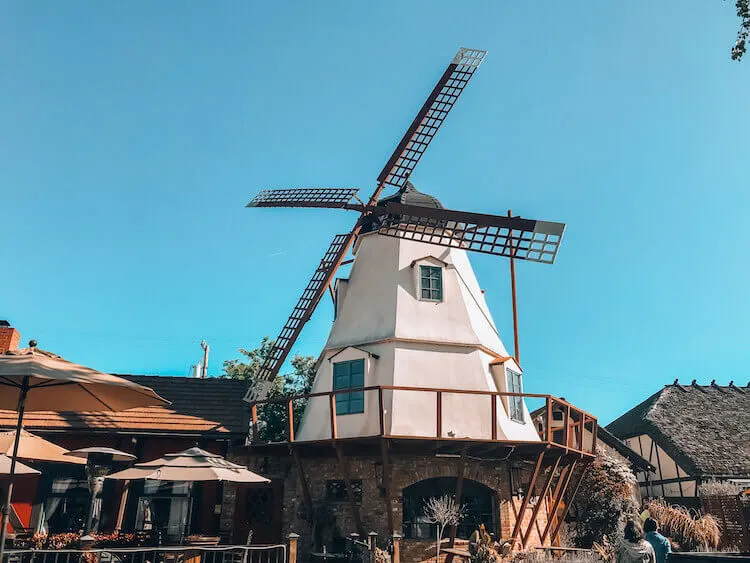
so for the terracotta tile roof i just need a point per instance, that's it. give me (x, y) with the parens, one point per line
(705, 428)
(199, 406)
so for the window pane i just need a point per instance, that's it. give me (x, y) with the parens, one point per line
(357, 403)
(342, 403)
(431, 283)
(348, 375)
(341, 382)
(358, 380)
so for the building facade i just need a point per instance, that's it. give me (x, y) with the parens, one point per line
(690, 434)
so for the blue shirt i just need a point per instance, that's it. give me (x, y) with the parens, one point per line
(660, 544)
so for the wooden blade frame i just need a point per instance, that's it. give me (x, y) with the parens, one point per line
(305, 306)
(429, 119)
(332, 198)
(516, 237)
(395, 173)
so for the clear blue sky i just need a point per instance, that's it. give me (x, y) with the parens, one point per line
(134, 133)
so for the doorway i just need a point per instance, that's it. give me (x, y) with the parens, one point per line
(258, 509)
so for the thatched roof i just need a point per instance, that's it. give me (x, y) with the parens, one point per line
(704, 428)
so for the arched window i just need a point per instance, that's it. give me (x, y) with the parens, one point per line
(478, 500)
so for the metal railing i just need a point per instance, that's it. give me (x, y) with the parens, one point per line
(180, 554)
(558, 423)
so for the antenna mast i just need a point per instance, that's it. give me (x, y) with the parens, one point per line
(204, 366)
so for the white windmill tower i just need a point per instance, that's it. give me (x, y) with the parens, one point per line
(412, 312)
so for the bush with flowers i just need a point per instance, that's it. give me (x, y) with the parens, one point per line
(72, 540)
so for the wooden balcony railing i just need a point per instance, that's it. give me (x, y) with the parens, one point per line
(557, 423)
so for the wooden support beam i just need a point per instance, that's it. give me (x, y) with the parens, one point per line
(540, 501)
(439, 406)
(123, 505)
(332, 410)
(459, 495)
(387, 485)
(562, 485)
(349, 489)
(305, 488)
(493, 418)
(549, 420)
(381, 414)
(526, 497)
(290, 415)
(553, 537)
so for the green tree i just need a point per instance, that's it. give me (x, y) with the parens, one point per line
(273, 417)
(743, 35)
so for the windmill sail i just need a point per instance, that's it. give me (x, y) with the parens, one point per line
(525, 239)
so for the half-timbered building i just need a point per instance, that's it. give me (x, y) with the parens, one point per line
(690, 434)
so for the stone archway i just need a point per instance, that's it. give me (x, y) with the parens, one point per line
(479, 500)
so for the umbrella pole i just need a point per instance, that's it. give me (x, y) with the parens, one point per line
(13, 458)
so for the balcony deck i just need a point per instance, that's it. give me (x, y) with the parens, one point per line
(562, 428)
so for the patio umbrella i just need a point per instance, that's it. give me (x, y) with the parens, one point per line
(20, 468)
(32, 379)
(35, 448)
(193, 464)
(99, 462)
(102, 453)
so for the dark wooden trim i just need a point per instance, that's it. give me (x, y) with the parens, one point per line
(562, 484)
(679, 483)
(387, 483)
(658, 464)
(526, 497)
(349, 489)
(541, 497)
(656, 482)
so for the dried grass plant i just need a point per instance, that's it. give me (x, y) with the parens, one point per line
(719, 489)
(691, 529)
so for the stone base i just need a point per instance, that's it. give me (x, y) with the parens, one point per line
(336, 518)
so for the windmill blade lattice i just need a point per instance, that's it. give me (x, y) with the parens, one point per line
(332, 198)
(525, 239)
(429, 119)
(304, 309)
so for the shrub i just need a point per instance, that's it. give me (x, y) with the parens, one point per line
(604, 498)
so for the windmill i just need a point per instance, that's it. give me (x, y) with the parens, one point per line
(510, 236)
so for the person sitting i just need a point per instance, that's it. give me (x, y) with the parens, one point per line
(661, 545)
(633, 548)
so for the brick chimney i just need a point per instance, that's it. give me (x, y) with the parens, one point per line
(9, 337)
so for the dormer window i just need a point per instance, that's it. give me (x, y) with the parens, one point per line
(515, 404)
(431, 283)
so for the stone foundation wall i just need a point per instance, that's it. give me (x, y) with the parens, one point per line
(406, 470)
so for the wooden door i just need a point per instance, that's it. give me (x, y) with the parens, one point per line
(258, 508)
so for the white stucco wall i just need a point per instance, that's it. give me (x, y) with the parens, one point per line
(448, 345)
